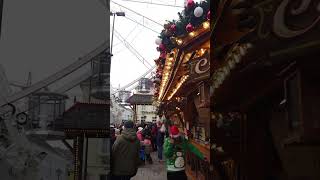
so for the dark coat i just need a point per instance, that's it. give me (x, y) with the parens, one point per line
(160, 137)
(125, 154)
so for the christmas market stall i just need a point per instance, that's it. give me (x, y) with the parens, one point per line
(264, 88)
(182, 81)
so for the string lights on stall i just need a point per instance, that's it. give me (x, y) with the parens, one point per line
(193, 21)
(180, 83)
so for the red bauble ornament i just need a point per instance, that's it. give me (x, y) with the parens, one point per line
(190, 3)
(173, 28)
(208, 15)
(189, 27)
(162, 47)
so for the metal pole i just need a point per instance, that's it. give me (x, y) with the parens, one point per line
(83, 155)
(1, 11)
(86, 160)
(114, 18)
(90, 82)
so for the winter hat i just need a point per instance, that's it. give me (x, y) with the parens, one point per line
(128, 124)
(174, 132)
(140, 129)
(117, 131)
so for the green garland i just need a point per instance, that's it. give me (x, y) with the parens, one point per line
(185, 17)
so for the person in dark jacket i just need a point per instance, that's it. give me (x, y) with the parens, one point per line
(146, 131)
(113, 135)
(160, 140)
(125, 154)
(154, 136)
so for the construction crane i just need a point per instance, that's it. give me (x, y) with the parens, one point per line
(59, 75)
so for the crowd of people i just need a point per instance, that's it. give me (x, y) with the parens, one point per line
(132, 145)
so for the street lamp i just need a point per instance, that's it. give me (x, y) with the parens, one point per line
(114, 14)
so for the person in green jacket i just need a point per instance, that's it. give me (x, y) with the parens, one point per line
(125, 154)
(175, 148)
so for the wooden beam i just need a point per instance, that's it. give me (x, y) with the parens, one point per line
(135, 117)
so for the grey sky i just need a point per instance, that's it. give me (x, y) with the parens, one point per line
(43, 36)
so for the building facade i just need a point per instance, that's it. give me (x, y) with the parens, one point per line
(146, 113)
(142, 102)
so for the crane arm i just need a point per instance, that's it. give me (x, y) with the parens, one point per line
(136, 80)
(74, 82)
(60, 74)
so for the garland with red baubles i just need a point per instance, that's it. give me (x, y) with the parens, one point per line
(193, 15)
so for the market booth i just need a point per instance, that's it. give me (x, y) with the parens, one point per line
(264, 80)
(182, 81)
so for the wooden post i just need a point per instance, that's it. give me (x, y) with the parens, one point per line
(78, 148)
(135, 117)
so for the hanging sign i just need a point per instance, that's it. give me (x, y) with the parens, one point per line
(200, 68)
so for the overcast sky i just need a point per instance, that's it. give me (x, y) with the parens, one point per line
(43, 36)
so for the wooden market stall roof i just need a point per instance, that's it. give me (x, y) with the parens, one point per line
(140, 99)
(89, 118)
(183, 62)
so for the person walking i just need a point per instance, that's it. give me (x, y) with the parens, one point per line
(148, 148)
(125, 154)
(113, 135)
(142, 147)
(139, 134)
(160, 139)
(154, 136)
(175, 148)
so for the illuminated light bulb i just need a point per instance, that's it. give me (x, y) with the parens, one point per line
(192, 34)
(202, 51)
(179, 41)
(206, 25)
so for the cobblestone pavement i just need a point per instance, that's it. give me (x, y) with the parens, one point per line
(155, 171)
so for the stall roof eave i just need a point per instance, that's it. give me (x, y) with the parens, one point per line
(140, 99)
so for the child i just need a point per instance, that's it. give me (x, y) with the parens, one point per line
(148, 148)
(142, 146)
(139, 134)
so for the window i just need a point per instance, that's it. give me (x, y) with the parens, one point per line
(154, 119)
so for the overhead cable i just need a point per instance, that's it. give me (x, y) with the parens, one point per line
(142, 25)
(137, 13)
(131, 48)
(153, 3)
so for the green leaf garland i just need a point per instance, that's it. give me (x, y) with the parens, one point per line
(185, 17)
